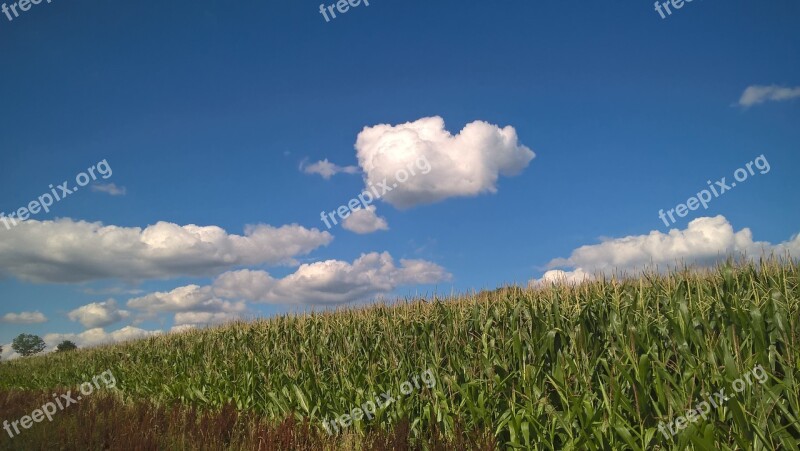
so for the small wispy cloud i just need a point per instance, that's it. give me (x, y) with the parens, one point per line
(756, 94)
(110, 189)
(326, 169)
(24, 318)
(111, 291)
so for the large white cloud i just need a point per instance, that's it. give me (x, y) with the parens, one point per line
(98, 314)
(467, 164)
(331, 281)
(75, 251)
(753, 95)
(192, 304)
(704, 242)
(327, 282)
(23, 318)
(364, 220)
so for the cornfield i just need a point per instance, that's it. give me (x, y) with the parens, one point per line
(595, 366)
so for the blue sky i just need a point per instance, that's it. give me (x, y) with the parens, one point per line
(211, 114)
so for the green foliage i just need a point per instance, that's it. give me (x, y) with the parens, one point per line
(595, 367)
(28, 345)
(65, 346)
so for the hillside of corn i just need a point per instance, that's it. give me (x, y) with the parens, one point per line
(595, 366)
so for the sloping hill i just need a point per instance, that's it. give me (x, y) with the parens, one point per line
(607, 364)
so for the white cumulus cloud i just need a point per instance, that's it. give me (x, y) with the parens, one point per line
(467, 164)
(365, 220)
(67, 251)
(182, 328)
(7, 353)
(98, 314)
(331, 281)
(558, 276)
(756, 94)
(192, 304)
(24, 318)
(704, 242)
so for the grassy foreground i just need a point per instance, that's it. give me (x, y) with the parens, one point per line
(594, 367)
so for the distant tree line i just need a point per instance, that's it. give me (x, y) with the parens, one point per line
(28, 344)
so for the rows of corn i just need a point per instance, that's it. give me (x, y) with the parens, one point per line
(596, 366)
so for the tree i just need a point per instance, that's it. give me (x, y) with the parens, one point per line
(65, 346)
(27, 345)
